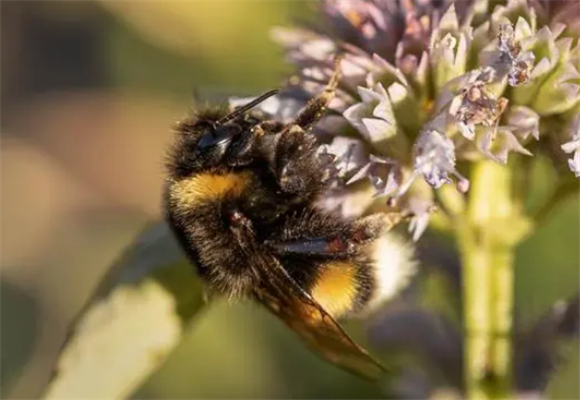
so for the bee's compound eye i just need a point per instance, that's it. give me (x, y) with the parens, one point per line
(218, 136)
(206, 141)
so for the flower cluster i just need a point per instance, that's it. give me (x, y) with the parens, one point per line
(429, 86)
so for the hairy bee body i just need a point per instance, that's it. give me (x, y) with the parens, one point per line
(241, 197)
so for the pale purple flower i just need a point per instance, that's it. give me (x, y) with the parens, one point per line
(523, 122)
(469, 65)
(327, 160)
(497, 145)
(574, 164)
(398, 31)
(420, 210)
(384, 174)
(373, 116)
(434, 158)
(345, 156)
(573, 146)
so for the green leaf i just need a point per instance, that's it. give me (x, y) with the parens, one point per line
(135, 319)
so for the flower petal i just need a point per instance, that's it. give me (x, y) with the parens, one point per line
(350, 155)
(498, 146)
(378, 130)
(354, 114)
(523, 121)
(449, 22)
(574, 164)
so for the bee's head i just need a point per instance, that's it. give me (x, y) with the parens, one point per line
(204, 139)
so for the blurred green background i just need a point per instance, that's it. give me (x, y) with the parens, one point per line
(89, 93)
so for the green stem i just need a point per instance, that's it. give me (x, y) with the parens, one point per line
(502, 286)
(477, 313)
(487, 257)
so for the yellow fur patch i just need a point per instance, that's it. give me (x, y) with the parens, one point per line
(336, 288)
(191, 191)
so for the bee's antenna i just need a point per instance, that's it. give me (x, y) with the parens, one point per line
(246, 107)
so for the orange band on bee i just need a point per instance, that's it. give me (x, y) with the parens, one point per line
(336, 287)
(199, 188)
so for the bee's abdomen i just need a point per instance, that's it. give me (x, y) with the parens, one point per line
(341, 288)
(360, 284)
(391, 266)
(194, 211)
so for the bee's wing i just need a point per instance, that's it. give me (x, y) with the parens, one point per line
(364, 230)
(315, 246)
(318, 329)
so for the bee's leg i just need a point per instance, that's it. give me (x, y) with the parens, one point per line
(315, 108)
(374, 225)
(335, 240)
(256, 143)
(248, 146)
(331, 246)
(241, 151)
(296, 164)
(311, 232)
(268, 127)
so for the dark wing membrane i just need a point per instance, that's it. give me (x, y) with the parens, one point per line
(315, 246)
(341, 243)
(318, 329)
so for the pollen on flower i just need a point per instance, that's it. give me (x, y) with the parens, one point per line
(474, 105)
(519, 63)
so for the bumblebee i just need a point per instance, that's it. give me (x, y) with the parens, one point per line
(241, 199)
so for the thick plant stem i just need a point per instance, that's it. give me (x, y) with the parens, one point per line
(502, 319)
(477, 313)
(487, 258)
